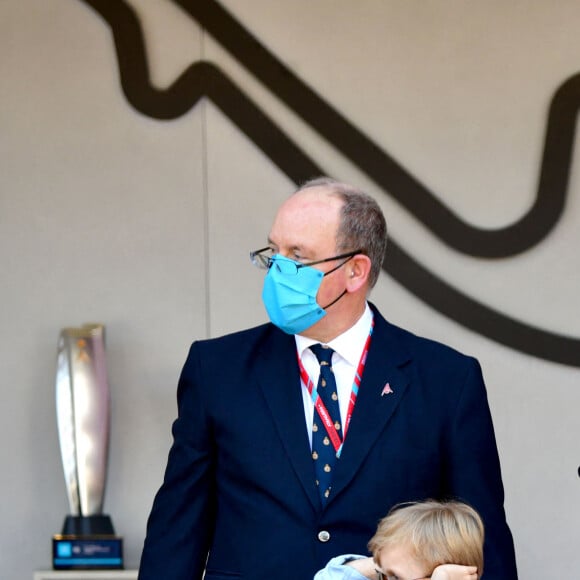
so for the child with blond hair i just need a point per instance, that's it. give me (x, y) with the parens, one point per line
(430, 539)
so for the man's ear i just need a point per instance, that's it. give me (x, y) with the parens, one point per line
(358, 270)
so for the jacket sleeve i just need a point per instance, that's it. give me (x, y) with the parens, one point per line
(180, 526)
(474, 473)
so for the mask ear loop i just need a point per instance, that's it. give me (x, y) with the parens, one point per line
(344, 291)
(335, 300)
(339, 266)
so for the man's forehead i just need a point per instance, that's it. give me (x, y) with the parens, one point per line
(306, 219)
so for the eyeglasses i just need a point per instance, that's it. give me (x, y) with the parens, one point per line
(382, 576)
(263, 261)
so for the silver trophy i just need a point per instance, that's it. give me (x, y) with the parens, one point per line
(82, 404)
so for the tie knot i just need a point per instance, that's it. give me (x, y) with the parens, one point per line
(323, 353)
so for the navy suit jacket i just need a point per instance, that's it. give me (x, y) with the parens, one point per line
(239, 486)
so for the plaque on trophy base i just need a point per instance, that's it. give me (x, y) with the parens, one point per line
(87, 543)
(88, 540)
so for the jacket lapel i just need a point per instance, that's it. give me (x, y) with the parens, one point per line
(279, 379)
(385, 379)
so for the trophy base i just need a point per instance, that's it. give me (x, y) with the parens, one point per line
(87, 543)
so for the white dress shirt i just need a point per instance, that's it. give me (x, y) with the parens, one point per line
(348, 348)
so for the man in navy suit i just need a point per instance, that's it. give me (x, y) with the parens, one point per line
(243, 496)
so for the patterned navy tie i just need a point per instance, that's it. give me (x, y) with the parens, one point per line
(323, 452)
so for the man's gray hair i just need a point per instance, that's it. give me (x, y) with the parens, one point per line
(362, 223)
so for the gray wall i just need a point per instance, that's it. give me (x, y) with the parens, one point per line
(108, 215)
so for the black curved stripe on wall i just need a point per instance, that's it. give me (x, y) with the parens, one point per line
(384, 169)
(379, 165)
(204, 79)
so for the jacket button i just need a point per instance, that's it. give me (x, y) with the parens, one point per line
(323, 536)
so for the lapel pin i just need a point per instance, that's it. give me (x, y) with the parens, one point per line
(387, 390)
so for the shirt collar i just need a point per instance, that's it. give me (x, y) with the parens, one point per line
(349, 345)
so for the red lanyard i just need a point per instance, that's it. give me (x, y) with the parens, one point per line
(321, 408)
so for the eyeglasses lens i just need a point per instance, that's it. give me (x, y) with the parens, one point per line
(260, 260)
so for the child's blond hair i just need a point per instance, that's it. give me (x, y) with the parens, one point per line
(436, 533)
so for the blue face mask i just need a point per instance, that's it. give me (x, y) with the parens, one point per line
(289, 295)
